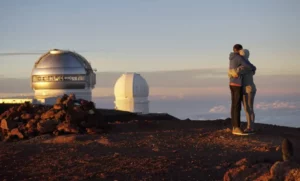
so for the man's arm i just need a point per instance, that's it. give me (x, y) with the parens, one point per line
(233, 65)
(232, 73)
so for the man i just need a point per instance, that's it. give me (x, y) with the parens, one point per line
(236, 60)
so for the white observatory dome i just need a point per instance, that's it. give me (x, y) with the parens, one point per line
(131, 93)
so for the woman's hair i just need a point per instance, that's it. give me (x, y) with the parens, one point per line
(245, 53)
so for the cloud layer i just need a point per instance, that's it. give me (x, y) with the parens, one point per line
(273, 105)
(276, 105)
(219, 109)
(183, 83)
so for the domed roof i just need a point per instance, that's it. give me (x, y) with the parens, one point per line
(131, 85)
(62, 59)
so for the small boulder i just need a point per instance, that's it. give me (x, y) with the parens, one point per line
(37, 117)
(57, 107)
(94, 130)
(255, 172)
(67, 128)
(46, 126)
(26, 116)
(281, 169)
(48, 115)
(60, 116)
(31, 124)
(8, 125)
(16, 132)
(75, 116)
(294, 174)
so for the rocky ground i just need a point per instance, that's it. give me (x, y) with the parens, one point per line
(154, 150)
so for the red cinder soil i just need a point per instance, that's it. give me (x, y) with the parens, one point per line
(147, 150)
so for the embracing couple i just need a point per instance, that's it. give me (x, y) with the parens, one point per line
(242, 88)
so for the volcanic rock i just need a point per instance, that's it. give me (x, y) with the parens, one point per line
(31, 124)
(16, 132)
(26, 116)
(94, 130)
(66, 127)
(47, 126)
(247, 172)
(58, 106)
(8, 125)
(60, 116)
(282, 170)
(75, 116)
(68, 115)
(48, 115)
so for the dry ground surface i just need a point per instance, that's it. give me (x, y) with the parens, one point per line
(143, 150)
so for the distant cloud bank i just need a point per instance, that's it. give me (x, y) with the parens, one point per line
(219, 109)
(276, 105)
(179, 84)
(263, 106)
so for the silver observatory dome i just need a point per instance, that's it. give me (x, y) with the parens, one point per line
(61, 71)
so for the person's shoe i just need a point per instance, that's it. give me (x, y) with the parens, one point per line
(238, 131)
(249, 131)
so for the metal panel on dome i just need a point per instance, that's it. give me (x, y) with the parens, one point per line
(54, 71)
(59, 61)
(58, 85)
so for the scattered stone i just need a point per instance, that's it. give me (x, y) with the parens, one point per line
(156, 149)
(116, 155)
(278, 148)
(37, 117)
(103, 141)
(16, 132)
(93, 130)
(57, 107)
(247, 173)
(26, 116)
(280, 170)
(241, 162)
(60, 116)
(48, 115)
(67, 128)
(218, 167)
(31, 124)
(228, 130)
(103, 176)
(8, 125)
(46, 126)
(294, 174)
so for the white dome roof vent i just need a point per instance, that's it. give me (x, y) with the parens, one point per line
(56, 51)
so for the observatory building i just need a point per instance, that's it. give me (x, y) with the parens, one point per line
(131, 93)
(59, 72)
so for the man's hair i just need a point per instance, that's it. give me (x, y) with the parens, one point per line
(237, 47)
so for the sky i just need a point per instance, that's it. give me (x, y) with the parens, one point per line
(150, 35)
